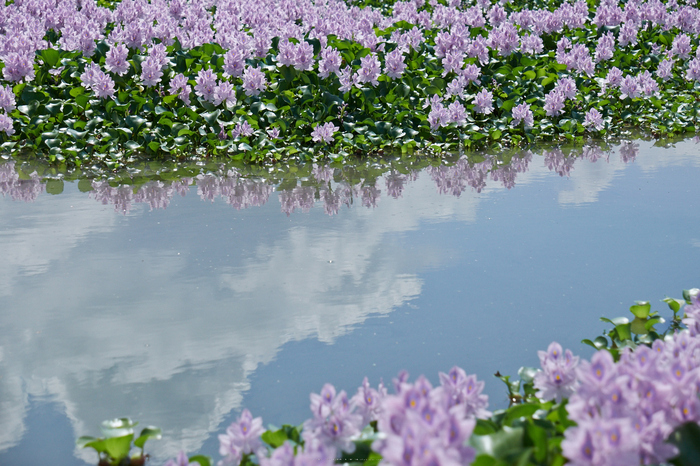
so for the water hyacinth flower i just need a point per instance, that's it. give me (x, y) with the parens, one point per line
(206, 85)
(346, 79)
(567, 87)
(254, 81)
(394, 64)
(179, 86)
(242, 437)
(329, 63)
(151, 72)
(593, 118)
(304, 56)
(557, 379)
(369, 70)
(367, 401)
(234, 62)
(334, 425)
(7, 98)
(242, 129)
(554, 102)
(426, 425)
(224, 92)
(6, 124)
(483, 102)
(665, 69)
(115, 60)
(522, 113)
(324, 132)
(614, 77)
(629, 88)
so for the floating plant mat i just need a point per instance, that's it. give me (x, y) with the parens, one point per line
(97, 83)
(180, 317)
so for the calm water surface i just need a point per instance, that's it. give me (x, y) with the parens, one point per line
(181, 302)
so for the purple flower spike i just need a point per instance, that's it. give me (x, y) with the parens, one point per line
(242, 437)
(522, 113)
(594, 119)
(254, 81)
(483, 103)
(324, 132)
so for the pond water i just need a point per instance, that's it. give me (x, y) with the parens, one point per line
(184, 300)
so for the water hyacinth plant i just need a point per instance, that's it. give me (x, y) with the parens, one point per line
(87, 82)
(636, 402)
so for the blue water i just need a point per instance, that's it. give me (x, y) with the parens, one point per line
(182, 316)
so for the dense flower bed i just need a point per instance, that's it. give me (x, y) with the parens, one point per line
(88, 82)
(635, 402)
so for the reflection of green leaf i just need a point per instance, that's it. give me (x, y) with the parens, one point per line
(54, 186)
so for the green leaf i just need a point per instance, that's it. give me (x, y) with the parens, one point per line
(147, 433)
(674, 304)
(118, 447)
(538, 436)
(687, 439)
(641, 309)
(624, 331)
(76, 91)
(211, 117)
(274, 439)
(90, 442)
(518, 411)
(50, 57)
(134, 122)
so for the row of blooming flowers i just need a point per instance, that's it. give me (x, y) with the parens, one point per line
(624, 410)
(600, 54)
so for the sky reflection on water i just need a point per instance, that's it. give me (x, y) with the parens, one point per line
(178, 312)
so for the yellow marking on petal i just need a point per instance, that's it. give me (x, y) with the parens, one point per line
(598, 373)
(413, 403)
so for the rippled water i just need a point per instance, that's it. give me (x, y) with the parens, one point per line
(189, 294)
